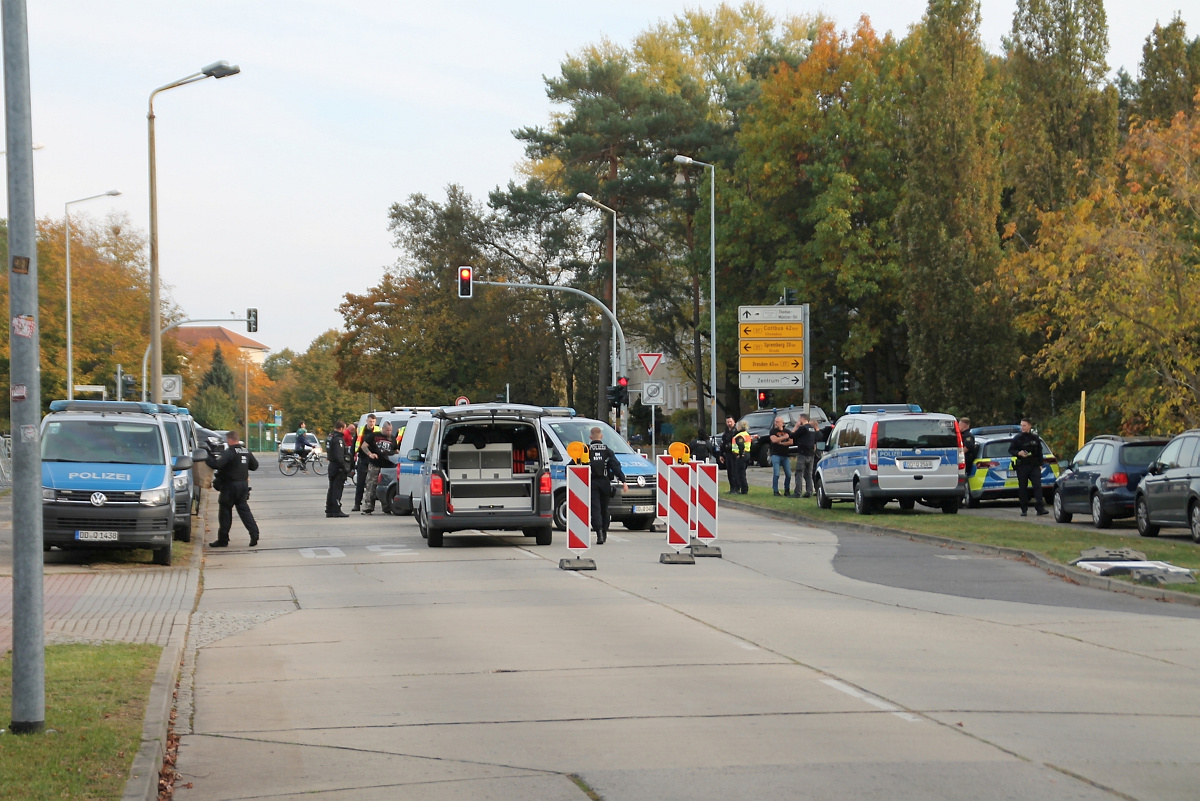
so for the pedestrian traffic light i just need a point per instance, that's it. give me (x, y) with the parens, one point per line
(466, 276)
(614, 396)
(623, 391)
(128, 386)
(764, 398)
(251, 320)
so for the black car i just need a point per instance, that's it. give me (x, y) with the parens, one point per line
(1103, 478)
(1169, 495)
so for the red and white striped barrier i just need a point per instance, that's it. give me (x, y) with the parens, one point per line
(679, 510)
(706, 502)
(692, 496)
(579, 509)
(664, 462)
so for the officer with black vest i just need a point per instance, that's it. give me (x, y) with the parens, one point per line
(232, 480)
(338, 470)
(1027, 448)
(605, 466)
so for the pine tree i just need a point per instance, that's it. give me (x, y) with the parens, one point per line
(947, 221)
(1170, 72)
(219, 375)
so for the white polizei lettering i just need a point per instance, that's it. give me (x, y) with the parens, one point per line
(322, 553)
(101, 476)
(870, 699)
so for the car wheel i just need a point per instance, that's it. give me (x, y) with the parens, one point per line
(950, 508)
(184, 533)
(1145, 527)
(861, 505)
(560, 510)
(545, 535)
(764, 456)
(434, 538)
(972, 501)
(162, 556)
(388, 508)
(639, 523)
(1194, 519)
(421, 525)
(907, 504)
(1060, 515)
(1100, 518)
(823, 500)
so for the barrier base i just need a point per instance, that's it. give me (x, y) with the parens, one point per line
(700, 548)
(677, 559)
(577, 564)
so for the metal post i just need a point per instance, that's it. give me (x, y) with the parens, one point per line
(807, 342)
(70, 354)
(155, 306)
(25, 405)
(246, 397)
(712, 289)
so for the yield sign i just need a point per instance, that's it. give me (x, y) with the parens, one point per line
(650, 361)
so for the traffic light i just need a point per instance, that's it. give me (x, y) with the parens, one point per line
(128, 386)
(789, 297)
(623, 391)
(848, 384)
(466, 275)
(765, 398)
(251, 320)
(614, 396)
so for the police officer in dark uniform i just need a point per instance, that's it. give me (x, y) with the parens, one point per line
(232, 480)
(1027, 448)
(338, 470)
(605, 466)
(725, 457)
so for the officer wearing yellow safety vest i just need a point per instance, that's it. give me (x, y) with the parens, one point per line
(739, 455)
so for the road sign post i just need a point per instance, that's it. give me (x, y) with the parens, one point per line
(579, 518)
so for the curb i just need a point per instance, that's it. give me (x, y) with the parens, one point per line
(142, 784)
(1033, 557)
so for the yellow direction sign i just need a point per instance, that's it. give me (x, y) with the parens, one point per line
(771, 346)
(771, 364)
(771, 330)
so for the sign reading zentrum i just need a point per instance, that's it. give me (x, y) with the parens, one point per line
(773, 346)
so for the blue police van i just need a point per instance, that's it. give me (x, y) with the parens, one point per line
(108, 477)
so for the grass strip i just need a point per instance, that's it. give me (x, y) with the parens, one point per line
(1061, 543)
(96, 699)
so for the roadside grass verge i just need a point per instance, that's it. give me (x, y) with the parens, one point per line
(96, 699)
(1060, 543)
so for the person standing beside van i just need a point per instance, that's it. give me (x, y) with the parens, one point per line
(781, 441)
(232, 481)
(605, 466)
(805, 437)
(336, 449)
(970, 447)
(361, 455)
(382, 447)
(1027, 448)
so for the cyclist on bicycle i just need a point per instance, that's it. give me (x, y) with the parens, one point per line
(302, 446)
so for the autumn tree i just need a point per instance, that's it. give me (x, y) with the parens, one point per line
(1169, 75)
(1063, 113)
(1114, 280)
(310, 391)
(958, 337)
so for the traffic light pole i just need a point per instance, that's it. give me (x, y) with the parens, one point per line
(612, 318)
(146, 357)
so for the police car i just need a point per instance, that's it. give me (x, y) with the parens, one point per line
(993, 474)
(635, 507)
(892, 452)
(108, 477)
(176, 422)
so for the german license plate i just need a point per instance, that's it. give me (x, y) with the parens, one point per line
(1012, 473)
(97, 536)
(922, 465)
(643, 510)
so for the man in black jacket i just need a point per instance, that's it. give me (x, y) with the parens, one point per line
(232, 480)
(726, 457)
(804, 435)
(1026, 447)
(382, 448)
(336, 449)
(605, 466)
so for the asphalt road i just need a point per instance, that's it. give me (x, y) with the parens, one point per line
(344, 659)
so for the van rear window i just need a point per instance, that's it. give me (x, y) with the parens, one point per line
(917, 434)
(102, 442)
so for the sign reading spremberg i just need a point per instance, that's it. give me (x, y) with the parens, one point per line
(772, 346)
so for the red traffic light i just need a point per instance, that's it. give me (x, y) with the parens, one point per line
(622, 381)
(465, 280)
(762, 396)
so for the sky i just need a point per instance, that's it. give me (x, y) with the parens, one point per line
(274, 184)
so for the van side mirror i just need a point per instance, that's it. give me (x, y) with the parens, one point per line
(416, 456)
(181, 463)
(820, 446)
(199, 455)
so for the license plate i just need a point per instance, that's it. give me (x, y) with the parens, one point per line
(911, 465)
(643, 510)
(97, 536)
(1012, 473)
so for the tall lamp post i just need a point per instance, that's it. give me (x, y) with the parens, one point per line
(219, 69)
(712, 281)
(586, 198)
(70, 354)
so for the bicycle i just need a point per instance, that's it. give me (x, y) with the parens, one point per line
(290, 464)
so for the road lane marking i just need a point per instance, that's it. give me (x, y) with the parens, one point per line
(397, 549)
(322, 553)
(870, 699)
(946, 556)
(785, 537)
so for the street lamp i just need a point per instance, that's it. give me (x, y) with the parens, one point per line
(712, 281)
(219, 69)
(586, 198)
(70, 355)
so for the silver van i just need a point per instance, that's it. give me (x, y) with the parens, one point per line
(876, 456)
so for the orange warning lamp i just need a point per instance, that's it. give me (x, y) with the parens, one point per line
(680, 451)
(578, 452)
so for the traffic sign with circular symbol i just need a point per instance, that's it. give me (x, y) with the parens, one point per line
(461, 400)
